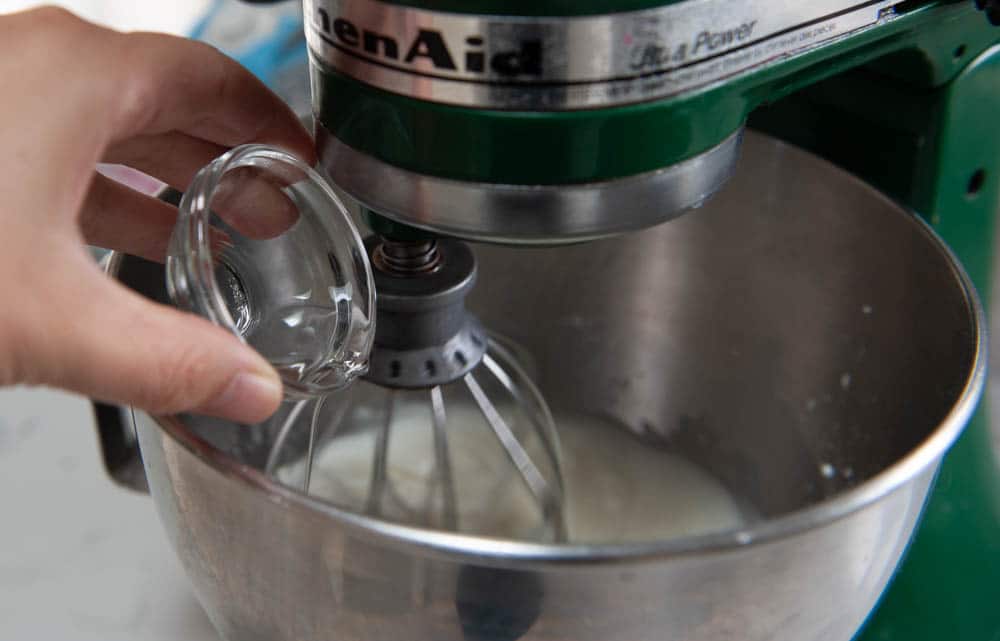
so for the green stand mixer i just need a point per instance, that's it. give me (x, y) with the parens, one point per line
(557, 137)
(555, 121)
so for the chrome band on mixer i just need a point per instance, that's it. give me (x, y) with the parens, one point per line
(557, 63)
(541, 214)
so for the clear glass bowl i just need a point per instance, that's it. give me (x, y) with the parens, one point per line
(266, 249)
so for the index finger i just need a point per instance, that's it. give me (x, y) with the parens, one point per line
(165, 83)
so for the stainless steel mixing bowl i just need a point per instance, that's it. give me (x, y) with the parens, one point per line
(808, 342)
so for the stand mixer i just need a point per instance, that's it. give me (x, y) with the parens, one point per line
(545, 124)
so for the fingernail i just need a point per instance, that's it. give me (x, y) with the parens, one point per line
(250, 397)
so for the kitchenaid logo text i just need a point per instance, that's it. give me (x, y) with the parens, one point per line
(430, 46)
(558, 63)
(657, 56)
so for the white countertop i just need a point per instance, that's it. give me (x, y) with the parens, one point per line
(80, 558)
(172, 16)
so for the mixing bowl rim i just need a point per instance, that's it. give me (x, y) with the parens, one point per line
(501, 552)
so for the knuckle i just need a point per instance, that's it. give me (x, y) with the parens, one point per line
(53, 16)
(149, 58)
(138, 101)
(40, 31)
(49, 24)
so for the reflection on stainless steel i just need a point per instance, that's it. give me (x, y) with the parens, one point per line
(528, 214)
(723, 338)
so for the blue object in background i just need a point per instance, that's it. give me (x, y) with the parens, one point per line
(268, 40)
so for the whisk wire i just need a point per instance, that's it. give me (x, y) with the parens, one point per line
(443, 459)
(540, 415)
(439, 505)
(532, 476)
(380, 465)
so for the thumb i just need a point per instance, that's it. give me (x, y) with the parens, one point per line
(107, 342)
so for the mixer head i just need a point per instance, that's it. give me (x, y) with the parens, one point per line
(553, 122)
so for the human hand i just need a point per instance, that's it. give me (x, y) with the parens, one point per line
(75, 94)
